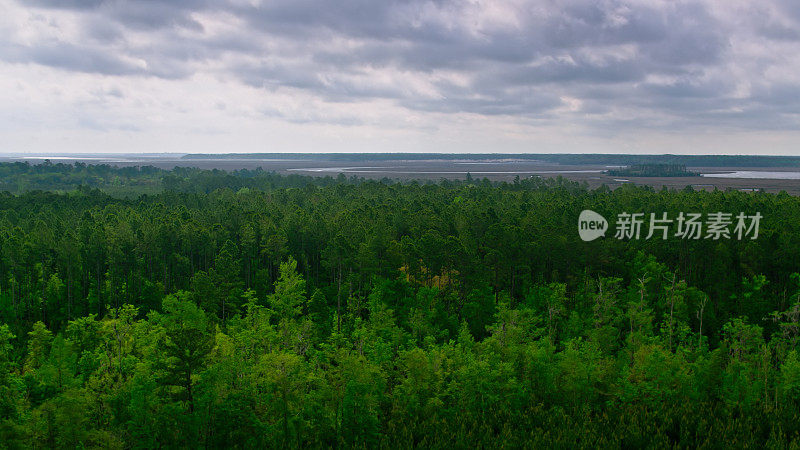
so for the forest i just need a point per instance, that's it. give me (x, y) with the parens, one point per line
(144, 308)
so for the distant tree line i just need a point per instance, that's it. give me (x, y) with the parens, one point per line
(653, 170)
(574, 159)
(19, 177)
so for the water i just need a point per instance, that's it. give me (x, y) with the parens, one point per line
(755, 174)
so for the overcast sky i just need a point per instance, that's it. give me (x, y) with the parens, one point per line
(215, 76)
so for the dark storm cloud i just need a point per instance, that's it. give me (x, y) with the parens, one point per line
(144, 14)
(70, 57)
(674, 58)
(527, 104)
(687, 88)
(566, 71)
(67, 4)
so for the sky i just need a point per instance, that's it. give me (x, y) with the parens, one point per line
(448, 76)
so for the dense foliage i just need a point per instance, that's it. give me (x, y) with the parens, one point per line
(355, 314)
(22, 177)
(133, 181)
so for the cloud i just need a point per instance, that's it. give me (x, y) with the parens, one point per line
(67, 4)
(591, 64)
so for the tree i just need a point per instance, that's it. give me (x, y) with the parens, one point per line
(290, 292)
(39, 340)
(184, 346)
(9, 396)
